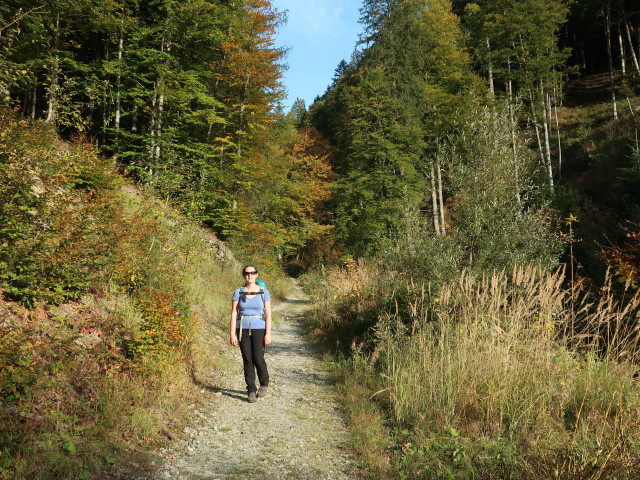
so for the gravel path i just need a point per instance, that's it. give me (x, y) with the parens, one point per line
(295, 433)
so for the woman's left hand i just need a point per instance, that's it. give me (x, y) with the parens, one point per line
(267, 338)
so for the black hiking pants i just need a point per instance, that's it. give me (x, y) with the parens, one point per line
(252, 348)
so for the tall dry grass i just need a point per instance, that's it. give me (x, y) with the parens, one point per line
(508, 375)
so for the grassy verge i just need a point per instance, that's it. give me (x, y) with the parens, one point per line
(507, 376)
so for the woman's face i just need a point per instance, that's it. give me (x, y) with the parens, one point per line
(250, 273)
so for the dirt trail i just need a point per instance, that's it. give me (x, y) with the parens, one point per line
(295, 433)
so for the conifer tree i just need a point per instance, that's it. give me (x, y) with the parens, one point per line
(386, 112)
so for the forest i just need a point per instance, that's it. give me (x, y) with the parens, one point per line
(462, 203)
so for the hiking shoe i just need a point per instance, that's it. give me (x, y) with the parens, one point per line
(262, 391)
(251, 398)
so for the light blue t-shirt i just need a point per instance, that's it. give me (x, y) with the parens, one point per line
(251, 305)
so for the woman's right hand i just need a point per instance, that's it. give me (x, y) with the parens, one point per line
(233, 340)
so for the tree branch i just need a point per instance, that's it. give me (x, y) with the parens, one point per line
(17, 19)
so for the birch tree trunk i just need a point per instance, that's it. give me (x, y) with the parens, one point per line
(156, 129)
(34, 99)
(440, 199)
(544, 148)
(134, 119)
(607, 26)
(546, 122)
(555, 107)
(514, 147)
(105, 113)
(634, 57)
(54, 73)
(623, 61)
(159, 121)
(434, 201)
(158, 113)
(243, 99)
(116, 121)
(492, 89)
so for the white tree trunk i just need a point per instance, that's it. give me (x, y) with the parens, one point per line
(105, 113)
(514, 146)
(134, 119)
(634, 57)
(441, 200)
(555, 107)
(243, 97)
(34, 100)
(158, 115)
(623, 61)
(434, 201)
(159, 122)
(544, 148)
(492, 89)
(54, 72)
(607, 26)
(116, 122)
(546, 123)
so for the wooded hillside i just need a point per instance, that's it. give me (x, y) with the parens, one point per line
(184, 96)
(469, 117)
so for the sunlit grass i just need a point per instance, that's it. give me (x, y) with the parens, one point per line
(506, 376)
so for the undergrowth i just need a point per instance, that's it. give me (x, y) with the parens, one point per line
(112, 309)
(509, 375)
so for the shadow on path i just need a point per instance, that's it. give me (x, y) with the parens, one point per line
(227, 392)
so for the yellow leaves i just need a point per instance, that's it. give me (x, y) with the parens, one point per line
(571, 219)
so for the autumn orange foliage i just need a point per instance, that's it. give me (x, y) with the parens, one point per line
(625, 260)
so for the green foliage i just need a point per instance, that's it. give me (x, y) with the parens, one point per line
(380, 175)
(496, 218)
(180, 92)
(385, 113)
(277, 219)
(498, 212)
(419, 252)
(56, 203)
(518, 40)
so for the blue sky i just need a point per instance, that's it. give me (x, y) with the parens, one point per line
(319, 33)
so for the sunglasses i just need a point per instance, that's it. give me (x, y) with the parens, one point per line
(250, 273)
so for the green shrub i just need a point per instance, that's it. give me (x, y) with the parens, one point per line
(57, 204)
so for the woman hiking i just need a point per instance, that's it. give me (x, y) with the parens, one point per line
(250, 327)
